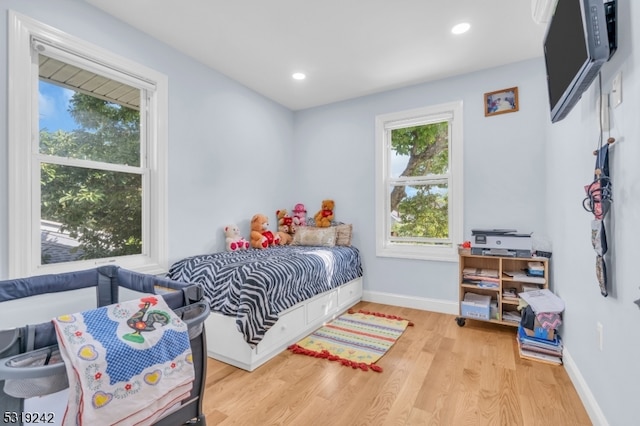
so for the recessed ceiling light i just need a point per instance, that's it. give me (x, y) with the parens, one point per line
(461, 28)
(299, 76)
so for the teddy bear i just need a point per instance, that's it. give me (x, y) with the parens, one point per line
(299, 215)
(233, 238)
(285, 226)
(261, 237)
(324, 217)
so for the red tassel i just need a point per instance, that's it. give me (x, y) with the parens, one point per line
(325, 354)
(376, 368)
(381, 315)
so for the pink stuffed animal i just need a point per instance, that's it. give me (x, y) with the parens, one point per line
(233, 238)
(299, 215)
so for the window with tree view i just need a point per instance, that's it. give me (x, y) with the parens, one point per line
(416, 180)
(89, 157)
(90, 186)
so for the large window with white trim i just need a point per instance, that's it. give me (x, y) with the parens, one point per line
(419, 183)
(88, 142)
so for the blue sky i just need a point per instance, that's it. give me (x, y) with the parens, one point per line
(53, 103)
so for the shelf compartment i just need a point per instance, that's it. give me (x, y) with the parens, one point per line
(505, 306)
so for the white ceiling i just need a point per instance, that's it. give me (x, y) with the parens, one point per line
(347, 48)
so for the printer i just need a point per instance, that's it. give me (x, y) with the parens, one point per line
(501, 242)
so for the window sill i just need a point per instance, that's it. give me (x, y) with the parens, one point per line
(438, 255)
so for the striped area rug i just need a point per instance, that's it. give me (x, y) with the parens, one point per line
(354, 339)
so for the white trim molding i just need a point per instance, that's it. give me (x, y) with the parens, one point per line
(422, 303)
(439, 250)
(584, 392)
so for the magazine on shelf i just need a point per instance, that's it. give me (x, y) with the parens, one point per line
(523, 277)
(480, 272)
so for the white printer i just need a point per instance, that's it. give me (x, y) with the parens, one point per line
(500, 242)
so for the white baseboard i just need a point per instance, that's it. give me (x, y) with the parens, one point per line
(448, 307)
(433, 305)
(590, 404)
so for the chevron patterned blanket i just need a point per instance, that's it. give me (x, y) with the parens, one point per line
(254, 286)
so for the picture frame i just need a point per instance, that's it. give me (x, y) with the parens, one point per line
(501, 102)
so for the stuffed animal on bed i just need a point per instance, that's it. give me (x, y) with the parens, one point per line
(261, 237)
(324, 217)
(234, 240)
(285, 226)
(299, 215)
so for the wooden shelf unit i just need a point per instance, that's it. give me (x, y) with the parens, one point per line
(503, 265)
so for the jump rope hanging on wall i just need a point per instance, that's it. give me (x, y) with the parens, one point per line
(598, 201)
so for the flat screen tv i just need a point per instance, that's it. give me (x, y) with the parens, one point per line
(580, 38)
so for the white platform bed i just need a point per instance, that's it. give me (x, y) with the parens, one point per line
(264, 300)
(225, 343)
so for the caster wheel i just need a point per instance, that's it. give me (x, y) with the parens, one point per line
(460, 321)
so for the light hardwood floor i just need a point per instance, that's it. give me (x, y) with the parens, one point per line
(437, 373)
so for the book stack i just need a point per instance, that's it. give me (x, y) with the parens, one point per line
(510, 294)
(537, 336)
(535, 269)
(487, 278)
(537, 349)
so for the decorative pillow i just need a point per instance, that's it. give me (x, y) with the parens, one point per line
(312, 236)
(343, 234)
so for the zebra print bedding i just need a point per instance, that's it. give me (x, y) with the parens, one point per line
(254, 285)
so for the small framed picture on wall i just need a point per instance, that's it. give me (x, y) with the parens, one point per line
(501, 101)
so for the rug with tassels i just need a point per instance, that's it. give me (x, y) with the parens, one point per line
(354, 339)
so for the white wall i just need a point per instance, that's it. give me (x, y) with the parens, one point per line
(228, 146)
(234, 153)
(504, 167)
(612, 375)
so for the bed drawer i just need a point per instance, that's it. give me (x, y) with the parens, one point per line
(288, 325)
(350, 292)
(322, 306)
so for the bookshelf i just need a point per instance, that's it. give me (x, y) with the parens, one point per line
(501, 279)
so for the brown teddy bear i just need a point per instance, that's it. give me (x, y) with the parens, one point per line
(261, 237)
(324, 217)
(285, 226)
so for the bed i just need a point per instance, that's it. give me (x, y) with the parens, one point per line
(263, 300)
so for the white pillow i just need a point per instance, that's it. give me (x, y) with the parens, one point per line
(313, 236)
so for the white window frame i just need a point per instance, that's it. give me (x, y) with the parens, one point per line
(24, 187)
(452, 112)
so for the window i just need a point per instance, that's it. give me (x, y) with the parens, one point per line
(87, 147)
(419, 183)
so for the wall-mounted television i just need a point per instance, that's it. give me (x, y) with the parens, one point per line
(580, 38)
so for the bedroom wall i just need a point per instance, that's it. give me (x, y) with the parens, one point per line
(612, 374)
(520, 172)
(503, 177)
(228, 146)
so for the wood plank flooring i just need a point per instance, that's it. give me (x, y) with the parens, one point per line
(437, 373)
